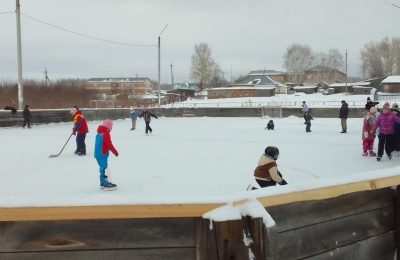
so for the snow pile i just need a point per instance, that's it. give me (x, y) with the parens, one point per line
(235, 211)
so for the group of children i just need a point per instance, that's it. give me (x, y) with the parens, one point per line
(103, 144)
(386, 125)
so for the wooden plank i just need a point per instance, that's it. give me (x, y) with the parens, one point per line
(311, 240)
(327, 192)
(381, 247)
(317, 211)
(97, 234)
(182, 210)
(105, 212)
(121, 254)
(397, 216)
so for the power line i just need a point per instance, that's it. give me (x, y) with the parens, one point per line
(7, 12)
(86, 35)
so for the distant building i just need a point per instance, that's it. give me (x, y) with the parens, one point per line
(129, 86)
(255, 85)
(275, 75)
(182, 91)
(318, 74)
(391, 84)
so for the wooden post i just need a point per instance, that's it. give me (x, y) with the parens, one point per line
(397, 212)
(225, 241)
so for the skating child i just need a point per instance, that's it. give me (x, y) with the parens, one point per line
(133, 116)
(270, 125)
(266, 172)
(396, 138)
(80, 129)
(146, 114)
(102, 147)
(368, 132)
(308, 118)
(385, 123)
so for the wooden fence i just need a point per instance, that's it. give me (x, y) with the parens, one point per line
(353, 221)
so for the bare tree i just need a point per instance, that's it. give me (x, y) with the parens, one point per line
(330, 61)
(297, 59)
(217, 79)
(382, 58)
(202, 65)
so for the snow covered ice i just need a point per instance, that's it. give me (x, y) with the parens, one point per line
(185, 160)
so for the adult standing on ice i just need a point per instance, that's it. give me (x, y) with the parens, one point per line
(343, 115)
(102, 148)
(80, 129)
(146, 114)
(27, 117)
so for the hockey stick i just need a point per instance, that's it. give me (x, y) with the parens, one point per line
(56, 155)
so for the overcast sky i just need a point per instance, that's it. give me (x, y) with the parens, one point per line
(243, 35)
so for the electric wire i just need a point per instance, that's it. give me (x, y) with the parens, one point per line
(86, 35)
(7, 12)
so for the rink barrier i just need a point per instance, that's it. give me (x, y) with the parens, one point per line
(45, 116)
(357, 220)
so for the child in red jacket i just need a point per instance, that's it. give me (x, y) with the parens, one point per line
(102, 147)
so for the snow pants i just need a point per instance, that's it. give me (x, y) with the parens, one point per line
(102, 161)
(80, 143)
(133, 124)
(308, 126)
(148, 128)
(385, 143)
(368, 144)
(343, 122)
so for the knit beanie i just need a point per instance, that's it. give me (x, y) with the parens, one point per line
(386, 105)
(108, 124)
(73, 111)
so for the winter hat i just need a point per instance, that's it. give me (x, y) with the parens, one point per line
(107, 124)
(386, 105)
(395, 107)
(272, 152)
(368, 99)
(372, 110)
(73, 111)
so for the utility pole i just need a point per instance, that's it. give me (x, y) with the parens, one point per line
(46, 77)
(19, 57)
(159, 77)
(346, 71)
(172, 76)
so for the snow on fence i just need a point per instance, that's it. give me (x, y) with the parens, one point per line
(256, 104)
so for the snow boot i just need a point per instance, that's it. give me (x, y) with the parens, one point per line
(372, 153)
(365, 153)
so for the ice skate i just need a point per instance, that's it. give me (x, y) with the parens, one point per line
(365, 153)
(372, 153)
(378, 158)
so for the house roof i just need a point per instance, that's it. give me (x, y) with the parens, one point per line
(124, 79)
(349, 84)
(320, 68)
(392, 79)
(266, 72)
(257, 80)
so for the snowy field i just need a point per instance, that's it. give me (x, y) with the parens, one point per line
(185, 160)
